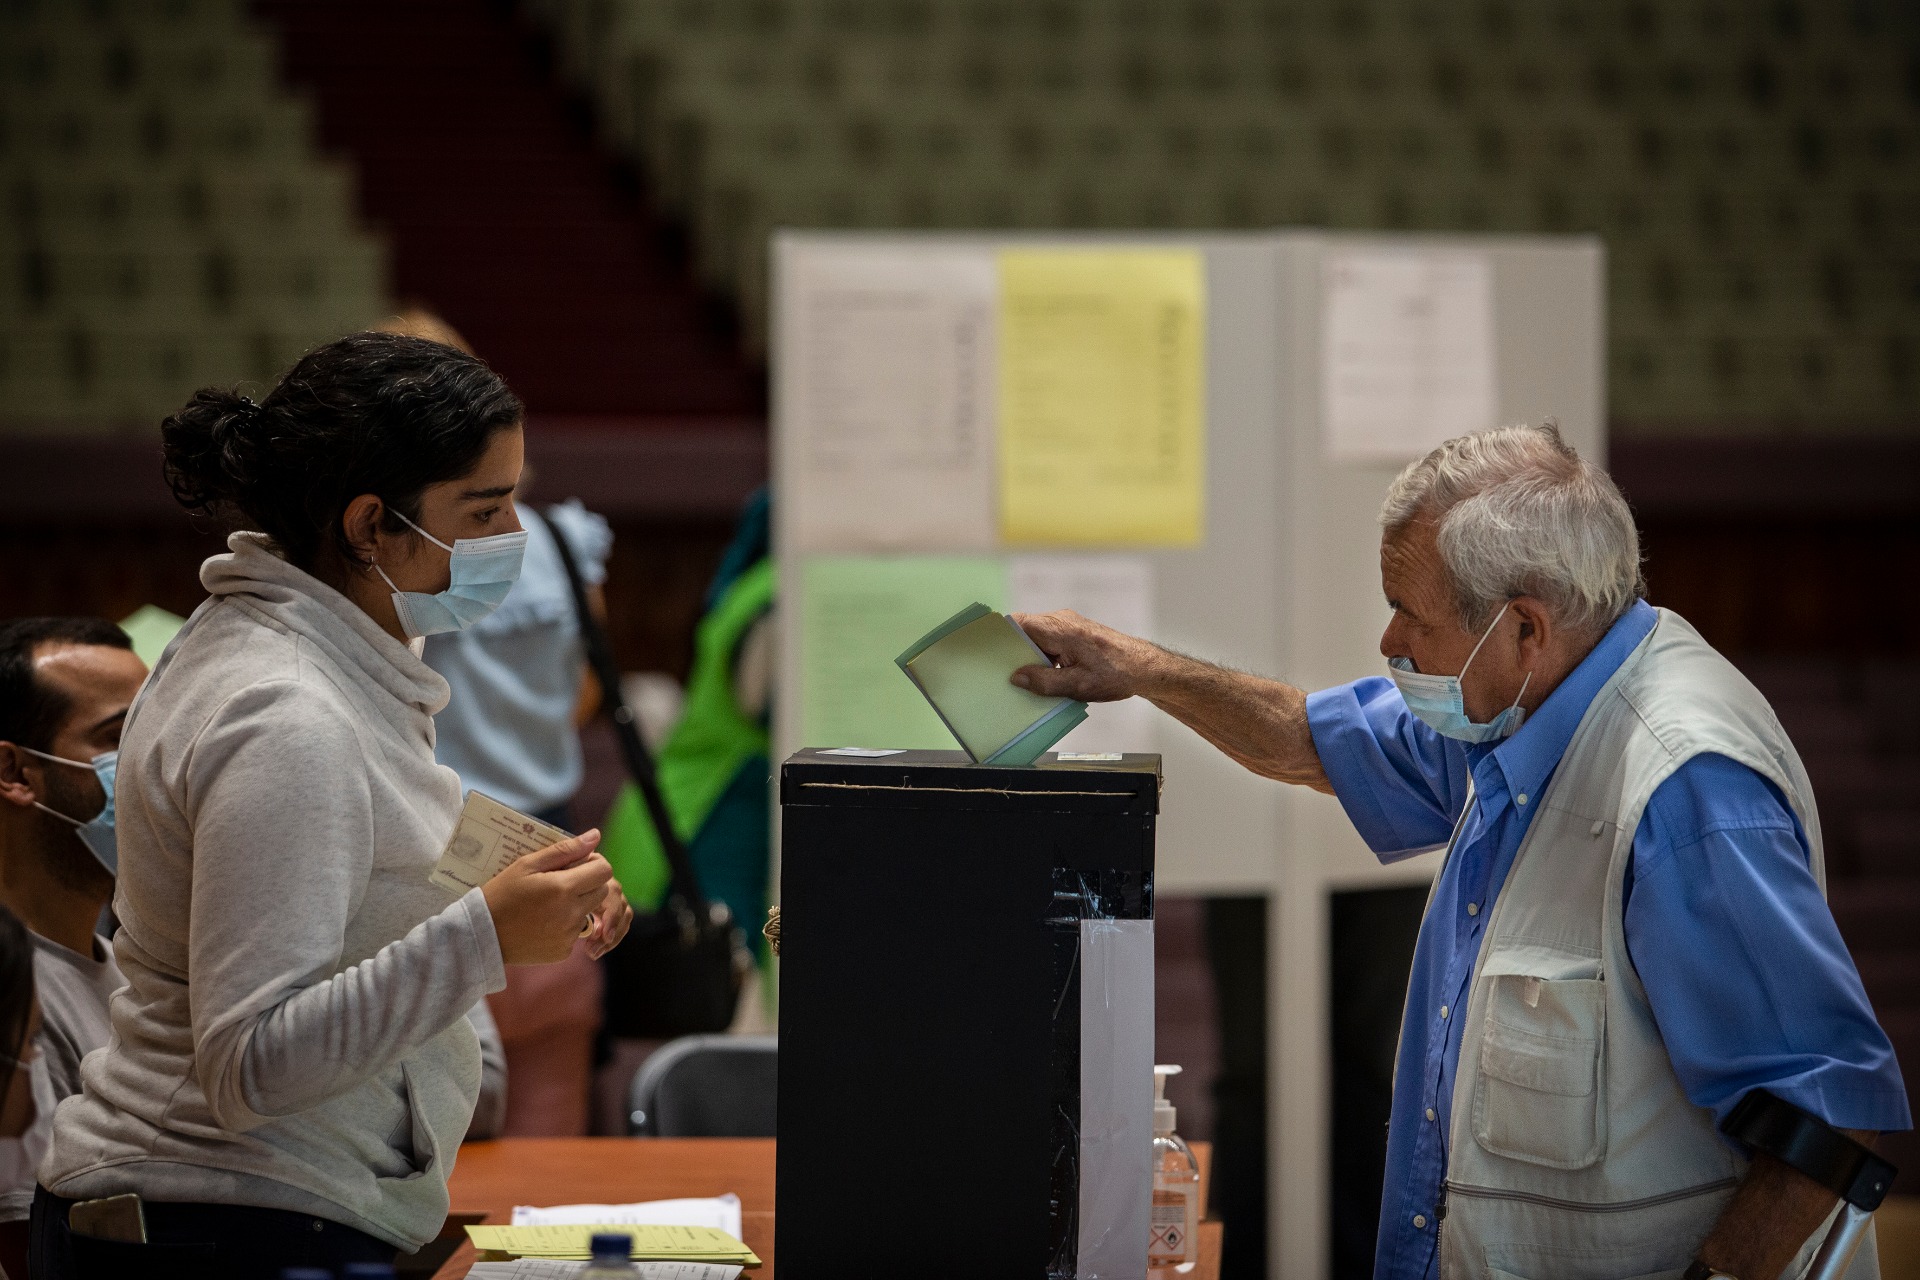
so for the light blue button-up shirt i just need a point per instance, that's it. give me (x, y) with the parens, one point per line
(507, 728)
(1746, 974)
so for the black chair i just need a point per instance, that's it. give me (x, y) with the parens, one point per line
(706, 1087)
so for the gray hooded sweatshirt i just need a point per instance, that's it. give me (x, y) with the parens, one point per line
(293, 1031)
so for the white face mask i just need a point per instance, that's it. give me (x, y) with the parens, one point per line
(1442, 703)
(480, 573)
(20, 1157)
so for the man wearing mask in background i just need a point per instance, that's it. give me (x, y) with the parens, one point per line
(65, 686)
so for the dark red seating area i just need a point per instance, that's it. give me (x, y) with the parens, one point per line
(502, 215)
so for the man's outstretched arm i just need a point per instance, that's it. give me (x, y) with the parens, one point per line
(1260, 723)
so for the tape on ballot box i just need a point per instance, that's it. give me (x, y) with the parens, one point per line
(486, 840)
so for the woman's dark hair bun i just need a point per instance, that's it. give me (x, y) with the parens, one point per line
(205, 444)
(377, 413)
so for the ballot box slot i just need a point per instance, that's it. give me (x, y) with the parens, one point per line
(949, 780)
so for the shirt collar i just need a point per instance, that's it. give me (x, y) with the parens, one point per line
(1527, 759)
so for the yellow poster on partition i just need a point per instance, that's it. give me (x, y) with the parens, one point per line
(1102, 397)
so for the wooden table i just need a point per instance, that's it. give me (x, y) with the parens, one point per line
(492, 1177)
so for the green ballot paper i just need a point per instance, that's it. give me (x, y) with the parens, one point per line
(962, 667)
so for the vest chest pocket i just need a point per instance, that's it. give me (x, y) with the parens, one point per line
(1541, 1095)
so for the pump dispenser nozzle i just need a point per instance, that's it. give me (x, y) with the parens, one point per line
(1162, 1109)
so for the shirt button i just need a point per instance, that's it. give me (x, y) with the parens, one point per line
(1419, 1222)
(1598, 827)
(1429, 1113)
(1473, 908)
(1522, 797)
(1443, 1011)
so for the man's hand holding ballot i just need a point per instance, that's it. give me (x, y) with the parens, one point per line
(1260, 724)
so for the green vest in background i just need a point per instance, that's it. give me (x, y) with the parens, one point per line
(713, 774)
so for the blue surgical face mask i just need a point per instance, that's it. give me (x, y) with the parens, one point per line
(1442, 704)
(482, 571)
(96, 832)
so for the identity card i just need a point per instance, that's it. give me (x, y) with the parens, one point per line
(487, 838)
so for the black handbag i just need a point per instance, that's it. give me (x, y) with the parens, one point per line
(679, 970)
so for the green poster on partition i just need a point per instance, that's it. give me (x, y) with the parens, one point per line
(859, 613)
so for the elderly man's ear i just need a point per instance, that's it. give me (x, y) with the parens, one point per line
(1534, 633)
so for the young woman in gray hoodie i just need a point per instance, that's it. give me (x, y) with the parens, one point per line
(291, 1069)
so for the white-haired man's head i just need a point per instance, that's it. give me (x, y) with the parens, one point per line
(1517, 512)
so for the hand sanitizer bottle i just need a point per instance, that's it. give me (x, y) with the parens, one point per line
(612, 1258)
(1173, 1246)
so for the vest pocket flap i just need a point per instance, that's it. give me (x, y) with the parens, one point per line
(1556, 1016)
(1539, 1096)
(1544, 1064)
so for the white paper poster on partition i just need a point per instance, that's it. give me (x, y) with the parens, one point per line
(1408, 351)
(1116, 590)
(890, 433)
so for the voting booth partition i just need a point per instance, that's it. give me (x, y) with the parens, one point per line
(1187, 437)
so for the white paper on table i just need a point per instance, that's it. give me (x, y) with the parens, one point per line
(551, 1269)
(718, 1211)
(1408, 356)
(888, 428)
(1115, 590)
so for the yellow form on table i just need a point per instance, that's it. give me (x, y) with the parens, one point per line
(1102, 396)
(668, 1243)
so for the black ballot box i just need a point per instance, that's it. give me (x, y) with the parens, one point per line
(966, 1017)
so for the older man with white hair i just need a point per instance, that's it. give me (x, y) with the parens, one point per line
(1628, 933)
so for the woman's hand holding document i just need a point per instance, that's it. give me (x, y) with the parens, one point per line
(544, 888)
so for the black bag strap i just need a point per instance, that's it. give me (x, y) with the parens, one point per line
(633, 748)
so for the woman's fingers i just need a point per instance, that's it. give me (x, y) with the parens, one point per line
(562, 854)
(587, 879)
(611, 921)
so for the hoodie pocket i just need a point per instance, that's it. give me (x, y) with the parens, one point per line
(1541, 1092)
(413, 1136)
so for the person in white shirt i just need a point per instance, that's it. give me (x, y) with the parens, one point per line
(292, 1064)
(65, 686)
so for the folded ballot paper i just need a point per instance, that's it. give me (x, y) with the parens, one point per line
(651, 1243)
(962, 667)
(488, 837)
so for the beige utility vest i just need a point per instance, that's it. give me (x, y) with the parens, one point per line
(1573, 1152)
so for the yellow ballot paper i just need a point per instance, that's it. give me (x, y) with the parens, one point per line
(1102, 397)
(962, 667)
(487, 838)
(650, 1243)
